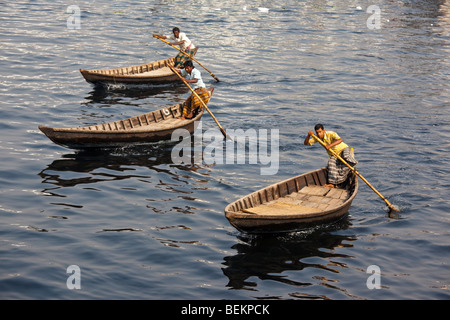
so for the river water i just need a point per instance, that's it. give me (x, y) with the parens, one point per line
(139, 226)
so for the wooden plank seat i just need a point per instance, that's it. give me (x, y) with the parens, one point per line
(308, 200)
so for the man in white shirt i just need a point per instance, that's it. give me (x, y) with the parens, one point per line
(185, 44)
(192, 75)
(194, 78)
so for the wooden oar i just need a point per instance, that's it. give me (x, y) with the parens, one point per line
(191, 57)
(356, 172)
(203, 103)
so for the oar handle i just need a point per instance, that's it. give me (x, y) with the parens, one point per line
(163, 40)
(203, 103)
(356, 172)
(190, 57)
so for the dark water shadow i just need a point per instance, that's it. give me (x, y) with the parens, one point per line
(157, 157)
(111, 93)
(123, 99)
(268, 257)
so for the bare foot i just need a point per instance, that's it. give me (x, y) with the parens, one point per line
(329, 185)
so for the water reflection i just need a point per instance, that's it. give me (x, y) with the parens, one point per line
(156, 157)
(114, 93)
(118, 101)
(268, 257)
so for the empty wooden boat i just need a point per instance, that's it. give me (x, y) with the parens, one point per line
(156, 72)
(293, 204)
(148, 127)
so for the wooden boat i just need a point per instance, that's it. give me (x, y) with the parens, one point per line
(156, 72)
(293, 204)
(148, 127)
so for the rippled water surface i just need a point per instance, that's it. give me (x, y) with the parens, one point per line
(141, 227)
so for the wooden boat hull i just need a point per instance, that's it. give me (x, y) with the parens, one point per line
(149, 127)
(156, 72)
(274, 209)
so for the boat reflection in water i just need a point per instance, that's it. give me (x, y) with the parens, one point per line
(271, 257)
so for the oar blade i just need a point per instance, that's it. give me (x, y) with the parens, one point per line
(392, 209)
(215, 78)
(358, 174)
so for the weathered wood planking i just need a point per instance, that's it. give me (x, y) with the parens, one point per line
(151, 73)
(148, 127)
(292, 204)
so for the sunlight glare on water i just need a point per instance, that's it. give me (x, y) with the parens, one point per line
(140, 226)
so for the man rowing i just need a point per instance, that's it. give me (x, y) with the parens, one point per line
(337, 170)
(183, 42)
(193, 77)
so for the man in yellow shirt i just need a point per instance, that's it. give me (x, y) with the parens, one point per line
(337, 171)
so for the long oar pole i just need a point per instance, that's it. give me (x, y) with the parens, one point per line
(357, 173)
(203, 103)
(191, 57)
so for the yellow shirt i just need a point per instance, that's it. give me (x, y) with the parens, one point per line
(329, 138)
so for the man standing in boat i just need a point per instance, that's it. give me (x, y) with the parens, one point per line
(337, 171)
(193, 76)
(185, 44)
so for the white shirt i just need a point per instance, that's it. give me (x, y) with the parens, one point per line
(195, 74)
(182, 37)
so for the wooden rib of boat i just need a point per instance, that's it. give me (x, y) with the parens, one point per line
(293, 204)
(148, 127)
(156, 72)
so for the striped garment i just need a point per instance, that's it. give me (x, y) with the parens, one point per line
(181, 58)
(337, 170)
(192, 103)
